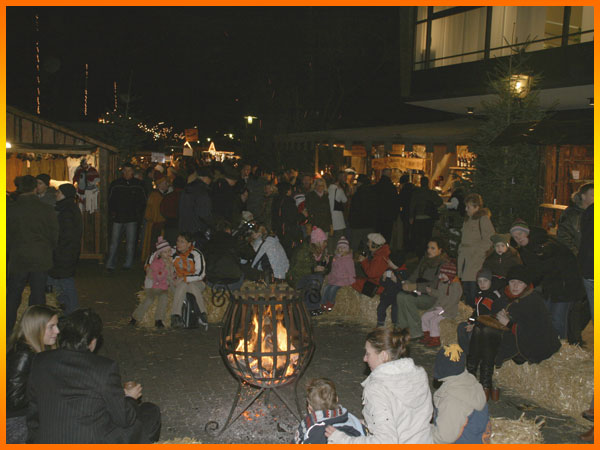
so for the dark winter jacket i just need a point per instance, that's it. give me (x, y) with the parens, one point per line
(404, 198)
(126, 200)
(285, 220)
(31, 234)
(569, 228)
(256, 194)
(554, 267)
(18, 365)
(586, 249)
(222, 260)
(223, 197)
(319, 212)
(499, 264)
(70, 229)
(424, 203)
(363, 208)
(195, 208)
(312, 429)
(388, 205)
(530, 332)
(488, 303)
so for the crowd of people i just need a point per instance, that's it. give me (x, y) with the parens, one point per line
(199, 225)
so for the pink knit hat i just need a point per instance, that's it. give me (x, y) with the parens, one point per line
(161, 243)
(343, 242)
(317, 235)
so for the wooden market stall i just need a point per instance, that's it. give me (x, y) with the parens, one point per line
(35, 146)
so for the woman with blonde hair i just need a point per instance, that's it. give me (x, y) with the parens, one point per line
(36, 332)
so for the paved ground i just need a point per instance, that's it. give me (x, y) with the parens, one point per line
(181, 371)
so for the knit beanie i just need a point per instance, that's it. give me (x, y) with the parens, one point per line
(44, 178)
(299, 199)
(449, 269)
(376, 238)
(450, 361)
(504, 238)
(519, 272)
(161, 243)
(68, 190)
(519, 225)
(343, 242)
(317, 235)
(484, 273)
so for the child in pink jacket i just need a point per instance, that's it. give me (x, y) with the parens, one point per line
(342, 273)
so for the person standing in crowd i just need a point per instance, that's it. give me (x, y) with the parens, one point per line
(31, 237)
(317, 205)
(265, 216)
(154, 219)
(404, 198)
(76, 396)
(285, 219)
(224, 192)
(243, 177)
(337, 206)
(363, 212)
(126, 203)
(195, 204)
(475, 242)
(388, 205)
(423, 213)
(256, 194)
(569, 224)
(66, 254)
(169, 209)
(305, 185)
(43, 190)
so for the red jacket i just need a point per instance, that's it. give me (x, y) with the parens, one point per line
(374, 268)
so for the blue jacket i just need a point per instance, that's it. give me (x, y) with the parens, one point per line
(312, 429)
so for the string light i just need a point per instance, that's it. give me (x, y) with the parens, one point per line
(37, 64)
(85, 92)
(115, 93)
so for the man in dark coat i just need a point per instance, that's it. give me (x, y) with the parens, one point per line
(424, 204)
(195, 205)
(285, 218)
(362, 214)
(126, 204)
(66, 254)
(224, 193)
(76, 396)
(388, 205)
(31, 237)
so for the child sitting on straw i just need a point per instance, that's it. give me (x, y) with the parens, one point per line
(324, 409)
(447, 294)
(342, 273)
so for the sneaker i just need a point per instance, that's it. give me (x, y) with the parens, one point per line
(159, 324)
(132, 322)
(328, 307)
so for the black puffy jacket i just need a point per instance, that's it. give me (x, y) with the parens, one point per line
(18, 365)
(70, 228)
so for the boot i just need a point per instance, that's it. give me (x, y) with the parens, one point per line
(433, 342)
(176, 321)
(495, 394)
(425, 339)
(588, 436)
(486, 371)
(487, 393)
(159, 324)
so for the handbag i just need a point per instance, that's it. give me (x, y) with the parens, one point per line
(337, 205)
(369, 289)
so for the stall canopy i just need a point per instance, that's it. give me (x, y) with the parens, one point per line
(549, 132)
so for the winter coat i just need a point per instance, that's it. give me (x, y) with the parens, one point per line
(404, 198)
(488, 303)
(223, 197)
(337, 217)
(222, 259)
(530, 332)
(18, 365)
(553, 266)
(319, 212)
(424, 203)
(447, 296)
(569, 228)
(158, 272)
(195, 208)
(256, 194)
(461, 412)
(278, 260)
(476, 233)
(70, 229)
(302, 264)
(169, 208)
(31, 234)
(586, 249)
(126, 200)
(49, 197)
(397, 406)
(499, 264)
(427, 272)
(342, 272)
(388, 205)
(189, 265)
(312, 429)
(363, 208)
(285, 220)
(374, 268)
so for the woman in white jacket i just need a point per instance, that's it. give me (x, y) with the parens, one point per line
(396, 397)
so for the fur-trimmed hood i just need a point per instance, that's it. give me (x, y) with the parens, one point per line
(479, 214)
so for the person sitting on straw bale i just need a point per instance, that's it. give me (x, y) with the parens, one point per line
(324, 409)
(374, 265)
(391, 281)
(159, 277)
(270, 256)
(342, 273)
(461, 413)
(530, 335)
(500, 258)
(447, 294)
(414, 296)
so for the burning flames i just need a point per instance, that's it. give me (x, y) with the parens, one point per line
(267, 369)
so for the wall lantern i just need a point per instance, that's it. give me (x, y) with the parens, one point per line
(249, 119)
(8, 145)
(520, 85)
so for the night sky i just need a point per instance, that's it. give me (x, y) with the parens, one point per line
(297, 68)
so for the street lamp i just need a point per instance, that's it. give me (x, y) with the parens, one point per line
(8, 145)
(249, 119)
(519, 85)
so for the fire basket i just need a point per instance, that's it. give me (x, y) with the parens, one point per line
(266, 342)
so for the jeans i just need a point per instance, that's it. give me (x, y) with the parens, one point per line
(588, 283)
(67, 294)
(559, 312)
(15, 284)
(329, 293)
(130, 229)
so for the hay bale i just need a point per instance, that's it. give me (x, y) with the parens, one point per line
(563, 383)
(185, 440)
(520, 431)
(50, 301)
(448, 326)
(354, 306)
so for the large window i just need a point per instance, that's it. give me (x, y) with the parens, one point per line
(453, 35)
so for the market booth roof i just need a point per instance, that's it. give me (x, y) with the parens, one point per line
(548, 132)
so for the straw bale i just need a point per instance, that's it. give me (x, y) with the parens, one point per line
(448, 326)
(50, 301)
(563, 383)
(184, 440)
(520, 431)
(354, 306)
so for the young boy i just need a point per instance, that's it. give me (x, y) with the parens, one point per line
(447, 293)
(391, 281)
(502, 258)
(460, 411)
(324, 409)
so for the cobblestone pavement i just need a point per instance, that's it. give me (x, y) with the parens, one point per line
(182, 371)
